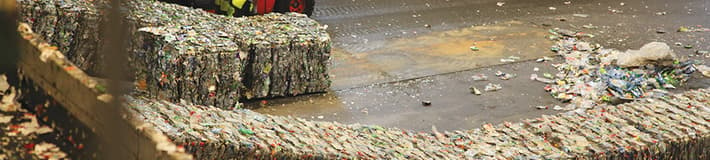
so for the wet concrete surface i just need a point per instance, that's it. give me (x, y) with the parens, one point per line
(399, 104)
(438, 52)
(386, 61)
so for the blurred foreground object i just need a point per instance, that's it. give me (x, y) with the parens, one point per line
(8, 36)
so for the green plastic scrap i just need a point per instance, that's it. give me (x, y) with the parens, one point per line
(547, 75)
(100, 88)
(267, 68)
(246, 131)
(474, 48)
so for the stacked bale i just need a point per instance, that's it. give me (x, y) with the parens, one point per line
(676, 127)
(285, 54)
(205, 74)
(71, 25)
(184, 53)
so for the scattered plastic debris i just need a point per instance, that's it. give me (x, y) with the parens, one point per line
(506, 60)
(534, 77)
(500, 4)
(693, 29)
(581, 15)
(507, 76)
(48, 151)
(475, 90)
(480, 77)
(21, 134)
(8, 103)
(589, 26)
(3, 84)
(543, 59)
(591, 74)
(661, 13)
(493, 87)
(510, 59)
(558, 108)
(474, 48)
(5, 119)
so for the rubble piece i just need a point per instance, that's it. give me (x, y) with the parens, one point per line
(426, 103)
(650, 53)
(475, 90)
(213, 57)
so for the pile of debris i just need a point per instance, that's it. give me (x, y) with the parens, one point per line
(184, 53)
(591, 74)
(676, 126)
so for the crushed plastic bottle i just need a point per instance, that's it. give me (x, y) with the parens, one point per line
(493, 87)
(479, 77)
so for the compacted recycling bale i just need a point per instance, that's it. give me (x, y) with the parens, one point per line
(205, 74)
(71, 25)
(186, 53)
(674, 127)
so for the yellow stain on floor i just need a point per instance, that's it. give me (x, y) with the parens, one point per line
(439, 52)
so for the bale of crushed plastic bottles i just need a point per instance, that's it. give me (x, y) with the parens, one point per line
(261, 56)
(179, 52)
(71, 25)
(176, 69)
(674, 127)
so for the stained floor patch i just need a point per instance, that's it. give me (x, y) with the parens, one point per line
(436, 53)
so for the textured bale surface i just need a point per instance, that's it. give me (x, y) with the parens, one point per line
(281, 54)
(179, 52)
(675, 127)
(71, 25)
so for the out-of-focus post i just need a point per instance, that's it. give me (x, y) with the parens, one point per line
(117, 138)
(8, 36)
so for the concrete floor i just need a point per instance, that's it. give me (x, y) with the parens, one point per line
(386, 61)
